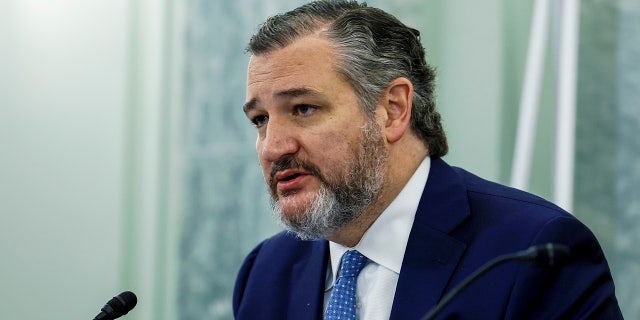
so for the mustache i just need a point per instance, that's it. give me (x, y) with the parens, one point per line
(292, 162)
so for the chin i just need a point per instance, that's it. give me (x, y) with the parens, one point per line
(296, 203)
(293, 214)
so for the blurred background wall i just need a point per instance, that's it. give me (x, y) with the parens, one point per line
(126, 162)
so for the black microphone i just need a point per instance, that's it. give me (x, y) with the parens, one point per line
(545, 255)
(118, 306)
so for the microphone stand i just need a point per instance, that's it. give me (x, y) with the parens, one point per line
(548, 254)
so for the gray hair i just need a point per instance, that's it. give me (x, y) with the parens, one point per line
(373, 49)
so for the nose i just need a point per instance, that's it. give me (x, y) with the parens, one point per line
(279, 140)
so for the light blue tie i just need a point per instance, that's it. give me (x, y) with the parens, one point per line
(342, 303)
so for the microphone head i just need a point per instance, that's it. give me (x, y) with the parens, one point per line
(551, 254)
(118, 306)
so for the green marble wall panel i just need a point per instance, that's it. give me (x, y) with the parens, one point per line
(627, 230)
(607, 176)
(226, 210)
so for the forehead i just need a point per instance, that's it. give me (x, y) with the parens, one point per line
(309, 62)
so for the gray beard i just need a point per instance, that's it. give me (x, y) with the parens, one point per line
(342, 200)
(324, 215)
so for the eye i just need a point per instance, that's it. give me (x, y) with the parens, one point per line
(304, 109)
(259, 121)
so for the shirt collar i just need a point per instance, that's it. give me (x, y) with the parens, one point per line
(386, 240)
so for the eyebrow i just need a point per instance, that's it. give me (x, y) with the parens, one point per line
(289, 93)
(249, 105)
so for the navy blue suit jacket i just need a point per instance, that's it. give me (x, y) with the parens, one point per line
(461, 223)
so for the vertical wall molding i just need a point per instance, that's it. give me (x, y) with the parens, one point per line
(151, 174)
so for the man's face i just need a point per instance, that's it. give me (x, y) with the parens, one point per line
(322, 157)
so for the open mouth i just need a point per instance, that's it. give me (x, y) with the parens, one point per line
(290, 177)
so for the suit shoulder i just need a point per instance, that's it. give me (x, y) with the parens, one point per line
(275, 268)
(280, 251)
(258, 261)
(284, 241)
(483, 192)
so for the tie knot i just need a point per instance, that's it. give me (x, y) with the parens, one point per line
(352, 263)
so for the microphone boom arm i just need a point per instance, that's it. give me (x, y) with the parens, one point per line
(547, 254)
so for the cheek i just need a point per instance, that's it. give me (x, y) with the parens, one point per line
(259, 148)
(264, 165)
(334, 150)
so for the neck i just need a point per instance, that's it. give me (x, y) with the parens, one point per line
(351, 234)
(398, 174)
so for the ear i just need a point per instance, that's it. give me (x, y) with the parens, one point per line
(397, 101)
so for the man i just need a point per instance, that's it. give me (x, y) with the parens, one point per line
(349, 142)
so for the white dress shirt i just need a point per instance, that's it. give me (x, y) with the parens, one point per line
(384, 245)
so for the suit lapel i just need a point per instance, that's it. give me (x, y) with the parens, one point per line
(431, 255)
(429, 262)
(308, 284)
